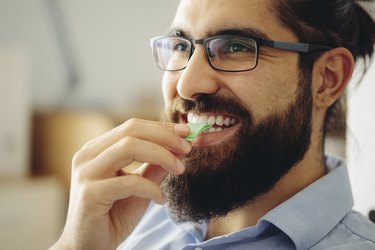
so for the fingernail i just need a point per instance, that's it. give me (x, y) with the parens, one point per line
(182, 128)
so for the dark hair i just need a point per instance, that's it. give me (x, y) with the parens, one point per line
(338, 23)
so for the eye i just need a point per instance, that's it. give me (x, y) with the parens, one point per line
(238, 47)
(179, 46)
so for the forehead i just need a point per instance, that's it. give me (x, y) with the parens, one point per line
(201, 17)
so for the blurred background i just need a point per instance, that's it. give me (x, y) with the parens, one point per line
(71, 70)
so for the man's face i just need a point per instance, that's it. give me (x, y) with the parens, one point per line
(269, 109)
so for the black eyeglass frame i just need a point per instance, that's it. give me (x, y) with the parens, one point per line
(289, 46)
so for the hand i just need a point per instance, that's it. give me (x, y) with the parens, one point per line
(107, 203)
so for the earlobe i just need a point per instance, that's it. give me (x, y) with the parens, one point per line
(336, 68)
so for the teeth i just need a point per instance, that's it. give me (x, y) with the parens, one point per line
(211, 120)
(189, 117)
(227, 121)
(194, 119)
(210, 130)
(219, 120)
(202, 119)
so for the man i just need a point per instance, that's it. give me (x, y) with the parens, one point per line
(259, 178)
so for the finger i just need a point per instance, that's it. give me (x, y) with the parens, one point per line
(152, 172)
(111, 190)
(165, 134)
(109, 162)
(142, 129)
(110, 132)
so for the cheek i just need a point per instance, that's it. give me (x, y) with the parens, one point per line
(265, 93)
(169, 84)
(252, 90)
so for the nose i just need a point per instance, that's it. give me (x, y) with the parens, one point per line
(198, 77)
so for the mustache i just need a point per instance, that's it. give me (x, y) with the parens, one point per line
(209, 104)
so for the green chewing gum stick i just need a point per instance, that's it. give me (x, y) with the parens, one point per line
(195, 130)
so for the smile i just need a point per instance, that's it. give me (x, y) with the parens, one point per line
(218, 123)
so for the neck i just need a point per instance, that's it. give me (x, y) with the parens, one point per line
(300, 176)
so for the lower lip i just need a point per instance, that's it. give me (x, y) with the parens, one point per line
(210, 139)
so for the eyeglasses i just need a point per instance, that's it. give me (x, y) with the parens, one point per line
(230, 53)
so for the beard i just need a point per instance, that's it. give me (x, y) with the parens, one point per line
(222, 178)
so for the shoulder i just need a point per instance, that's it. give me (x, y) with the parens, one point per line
(360, 226)
(354, 231)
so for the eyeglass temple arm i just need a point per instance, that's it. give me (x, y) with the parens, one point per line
(297, 47)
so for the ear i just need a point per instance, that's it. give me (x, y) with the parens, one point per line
(335, 69)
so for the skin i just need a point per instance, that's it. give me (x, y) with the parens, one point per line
(103, 197)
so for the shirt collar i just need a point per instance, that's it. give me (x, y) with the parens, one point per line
(310, 214)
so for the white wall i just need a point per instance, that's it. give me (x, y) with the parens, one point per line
(361, 136)
(14, 126)
(24, 24)
(361, 142)
(110, 42)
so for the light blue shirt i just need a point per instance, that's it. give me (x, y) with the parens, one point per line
(318, 217)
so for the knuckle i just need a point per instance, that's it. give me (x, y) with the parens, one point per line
(77, 158)
(128, 127)
(131, 124)
(133, 120)
(127, 144)
(86, 146)
(79, 174)
(168, 125)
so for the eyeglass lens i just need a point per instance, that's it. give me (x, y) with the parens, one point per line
(226, 53)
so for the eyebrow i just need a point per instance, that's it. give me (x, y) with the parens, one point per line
(240, 31)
